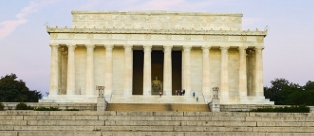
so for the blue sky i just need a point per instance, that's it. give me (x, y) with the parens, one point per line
(288, 53)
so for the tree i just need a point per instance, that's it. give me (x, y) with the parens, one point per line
(309, 86)
(13, 90)
(280, 90)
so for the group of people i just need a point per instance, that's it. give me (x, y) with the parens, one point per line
(180, 92)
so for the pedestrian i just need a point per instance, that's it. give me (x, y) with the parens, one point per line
(176, 92)
(193, 94)
(160, 93)
(197, 98)
(183, 92)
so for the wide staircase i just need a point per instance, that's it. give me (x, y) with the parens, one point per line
(158, 107)
(119, 123)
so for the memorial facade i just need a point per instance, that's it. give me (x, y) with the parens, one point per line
(136, 54)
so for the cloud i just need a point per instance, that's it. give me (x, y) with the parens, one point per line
(8, 26)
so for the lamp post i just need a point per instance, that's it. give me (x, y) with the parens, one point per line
(101, 91)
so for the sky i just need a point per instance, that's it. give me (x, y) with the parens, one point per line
(289, 45)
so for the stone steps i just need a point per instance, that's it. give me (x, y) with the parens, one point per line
(158, 107)
(159, 129)
(119, 133)
(173, 118)
(116, 123)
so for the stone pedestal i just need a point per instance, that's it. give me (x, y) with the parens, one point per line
(101, 104)
(214, 105)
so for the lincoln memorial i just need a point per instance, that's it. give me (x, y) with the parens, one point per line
(136, 54)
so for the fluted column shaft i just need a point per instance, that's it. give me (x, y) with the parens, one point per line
(206, 71)
(259, 85)
(71, 70)
(108, 71)
(187, 70)
(242, 72)
(128, 69)
(224, 83)
(90, 88)
(147, 76)
(167, 70)
(64, 72)
(54, 70)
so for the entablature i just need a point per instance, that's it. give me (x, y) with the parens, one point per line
(157, 31)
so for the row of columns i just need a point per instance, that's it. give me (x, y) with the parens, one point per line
(147, 86)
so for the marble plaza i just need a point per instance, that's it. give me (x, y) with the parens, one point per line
(136, 54)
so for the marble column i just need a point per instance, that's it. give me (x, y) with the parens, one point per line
(187, 70)
(108, 72)
(64, 72)
(224, 83)
(242, 73)
(206, 71)
(167, 83)
(54, 70)
(259, 85)
(147, 74)
(60, 65)
(128, 69)
(71, 70)
(90, 88)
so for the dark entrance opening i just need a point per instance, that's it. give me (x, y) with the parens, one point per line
(138, 66)
(157, 69)
(176, 70)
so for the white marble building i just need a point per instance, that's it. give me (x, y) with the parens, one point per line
(126, 51)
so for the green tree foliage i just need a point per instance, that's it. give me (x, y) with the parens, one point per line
(300, 108)
(23, 106)
(283, 92)
(13, 90)
(1, 106)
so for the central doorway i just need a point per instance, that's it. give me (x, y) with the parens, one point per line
(157, 68)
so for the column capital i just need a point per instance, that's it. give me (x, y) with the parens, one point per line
(242, 47)
(187, 47)
(206, 47)
(259, 48)
(54, 45)
(167, 46)
(128, 45)
(107, 46)
(90, 45)
(224, 47)
(71, 45)
(147, 46)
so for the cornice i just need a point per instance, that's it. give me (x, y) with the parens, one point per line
(156, 31)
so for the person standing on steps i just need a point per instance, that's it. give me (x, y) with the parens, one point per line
(183, 92)
(160, 93)
(193, 94)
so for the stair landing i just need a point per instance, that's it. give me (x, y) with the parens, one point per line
(158, 107)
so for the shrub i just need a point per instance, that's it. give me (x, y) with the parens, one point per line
(71, 110)
(23, 106)
(1, 106)
(300, 108)
(47, 109)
